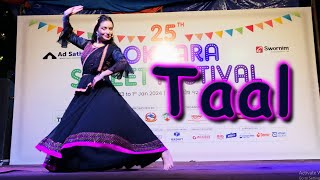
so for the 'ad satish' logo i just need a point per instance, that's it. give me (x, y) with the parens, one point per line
(63, 55)
(261, 49)
(49, 56)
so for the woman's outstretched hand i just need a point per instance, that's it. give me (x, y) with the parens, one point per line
(72, 10)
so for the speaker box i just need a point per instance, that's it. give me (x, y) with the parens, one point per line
(6, 110)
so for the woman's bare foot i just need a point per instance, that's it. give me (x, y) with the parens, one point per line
(167, 160)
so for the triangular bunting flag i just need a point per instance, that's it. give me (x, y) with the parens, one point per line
(120, 38)
(219, 33)
(41, 25)
(287, 17)
(296, 14)
(189, 36)
(260, 25)
(269, 23)
(130, 38)
(229, 31)
(50, 27)
(278, 20)
(89, 34)
(32, 22)
(59, 30)
(79, 33)
(141, 38)
(239, 29)
(199, 36)
(209, 35)
(250, 27)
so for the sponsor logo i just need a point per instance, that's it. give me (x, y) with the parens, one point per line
(49, 56)
(176, 134)
(259, 135)
(246, 136)
(151, 117)
(196, 118)
(279, 134)
(62, 55)
(166, 116)
(220, 136)
(177, 137)
(231, 135)
(201, 137)
(259, 49)
(262, 49)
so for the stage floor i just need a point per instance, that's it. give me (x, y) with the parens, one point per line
(245, 170)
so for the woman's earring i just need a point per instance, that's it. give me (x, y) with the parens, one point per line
(97, 36)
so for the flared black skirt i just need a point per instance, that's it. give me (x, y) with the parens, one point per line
(99, 131)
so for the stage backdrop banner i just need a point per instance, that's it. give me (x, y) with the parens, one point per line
(236, 46)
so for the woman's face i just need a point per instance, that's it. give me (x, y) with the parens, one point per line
(105, 31)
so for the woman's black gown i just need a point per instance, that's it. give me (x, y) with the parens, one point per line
(99, 130)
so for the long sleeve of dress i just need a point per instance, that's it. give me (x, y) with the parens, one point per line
(121, 68)
(67, 35)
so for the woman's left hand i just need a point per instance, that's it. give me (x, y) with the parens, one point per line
(73, 10)
(96, 79)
